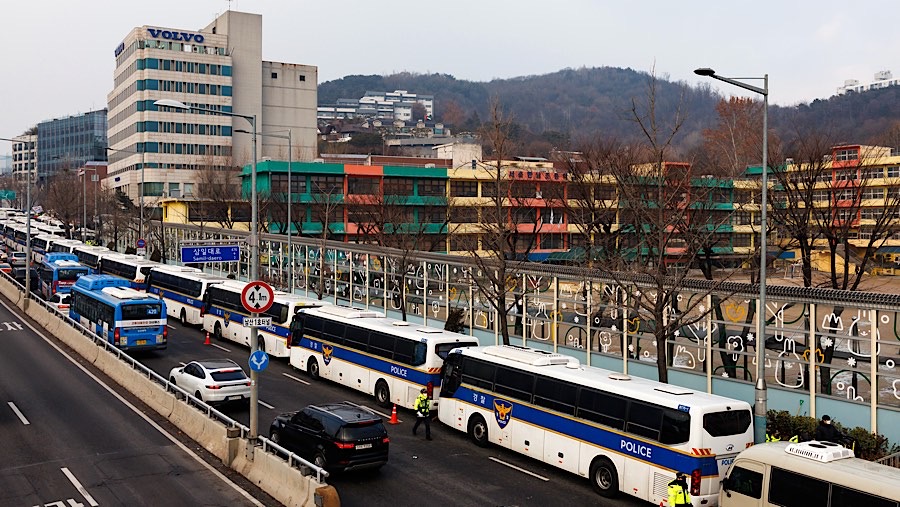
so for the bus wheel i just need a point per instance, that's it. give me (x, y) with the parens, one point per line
(604, 478)
(382, 394)
(478, 431)
(183, 316)
(312, 368)
(217, 332)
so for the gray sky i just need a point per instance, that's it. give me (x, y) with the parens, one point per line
(58, 60)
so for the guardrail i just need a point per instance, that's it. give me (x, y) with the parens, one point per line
(293, 460)
(892, 460)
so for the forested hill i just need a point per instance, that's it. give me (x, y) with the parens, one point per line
(571, 104)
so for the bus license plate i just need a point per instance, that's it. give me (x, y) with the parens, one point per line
(364, 446)
(142, 342)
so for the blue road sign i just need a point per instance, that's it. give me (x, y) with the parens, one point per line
(219, 253)
(141, 243)
(259, 360)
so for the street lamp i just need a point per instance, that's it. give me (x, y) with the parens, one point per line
(759, 423)
(290, 197)
(84, 171)
(27, 228)
(143, 154)
(254, 251)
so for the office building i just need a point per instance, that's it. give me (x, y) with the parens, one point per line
(65, 144)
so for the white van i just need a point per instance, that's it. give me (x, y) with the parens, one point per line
(820, 474)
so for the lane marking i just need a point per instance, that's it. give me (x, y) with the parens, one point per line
(219, 347)
(170, 326)
(187, 450)
(18, 413)
(87, 496)
(261, 402)
(514, 467)
(382, 414)
(288, 375)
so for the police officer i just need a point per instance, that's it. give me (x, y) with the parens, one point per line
(679, 493)
(827, 432)
(423, 410)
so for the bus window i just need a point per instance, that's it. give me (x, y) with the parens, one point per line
(419, 354)
(745, 482)
(452, 375)
(730, 422)
(788, 488)
(140, 311)
(296, 329)
(846, 497)
(676, 427)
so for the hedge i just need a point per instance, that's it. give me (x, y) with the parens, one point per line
(869, 446)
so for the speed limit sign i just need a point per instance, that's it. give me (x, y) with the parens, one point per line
(257, 297)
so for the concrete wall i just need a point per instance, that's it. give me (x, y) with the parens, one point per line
(269, 472)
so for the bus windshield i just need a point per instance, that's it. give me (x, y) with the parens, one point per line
(141, 311)
(443, 349)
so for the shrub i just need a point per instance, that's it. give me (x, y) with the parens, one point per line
(869, 446)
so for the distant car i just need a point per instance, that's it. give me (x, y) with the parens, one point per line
(5, 267)
(335, 436)
(60, 301)
(213, 380)
(17, 258)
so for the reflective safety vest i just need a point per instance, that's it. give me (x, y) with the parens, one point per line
(678, 494)
(423, 405)
(772, 438)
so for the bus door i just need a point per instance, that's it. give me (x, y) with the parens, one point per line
(743, 487)
(296, 331)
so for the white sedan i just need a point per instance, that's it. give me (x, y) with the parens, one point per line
(213, 380)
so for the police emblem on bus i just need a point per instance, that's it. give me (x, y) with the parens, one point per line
(502, 411)
(327, 350)
(227, 317)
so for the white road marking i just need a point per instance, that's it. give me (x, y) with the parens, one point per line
(514, 467)
(170, 326)
(140, 414)
(18, 413)
(382, 414)
(288, 375)
(87, 496)
(270, 407)
(219, 347)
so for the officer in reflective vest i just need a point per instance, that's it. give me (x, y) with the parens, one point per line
(679, 493)
(423, 413)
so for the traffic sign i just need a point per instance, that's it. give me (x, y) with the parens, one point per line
(257, 297)
(259, 360)
(141, 243)
(257, 321)
(217, 253)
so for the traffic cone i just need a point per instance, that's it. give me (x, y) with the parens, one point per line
(206, 342)
(394, 419)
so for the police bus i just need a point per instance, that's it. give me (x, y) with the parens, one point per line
(65, 245)
(183, 289)
(223, 316)
(40, 246)
(126, 318)
(90, 255)
(58, 273)
(623, 433)
(388, 358)
(133, 268)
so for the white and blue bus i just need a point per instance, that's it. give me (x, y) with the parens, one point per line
(182, 288)
(90, 255)
(223, 317)
(388, 358)
(625, 434)
(133, 268)
(65, 245)
(40, 246)
(128, 319)
(58, 273)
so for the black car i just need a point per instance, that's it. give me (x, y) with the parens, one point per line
(335, 436)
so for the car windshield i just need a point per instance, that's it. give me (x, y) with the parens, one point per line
(227, 375)
(141, 311)
(362, 431)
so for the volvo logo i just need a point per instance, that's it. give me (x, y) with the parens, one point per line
(156, 33)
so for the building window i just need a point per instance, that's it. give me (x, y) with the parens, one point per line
(153, 189)
(302, 77)
(188, 189)
(362, 186)
(326, 184)
(464, 215)
(893, 172)
(274, 75)
(398, 186)
(432, 188)
(173, 190)
(464, 189)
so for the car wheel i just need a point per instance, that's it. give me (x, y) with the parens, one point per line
(274, 436)
(382, 394)
(198, 396)
(172, 381)
(183, 316)
(217, 332)
(604, 478)
(478, 431)
(313, 368)
(319, 460)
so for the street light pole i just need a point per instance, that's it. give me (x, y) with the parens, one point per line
(254, 255)
(27, 228)
(760, 407)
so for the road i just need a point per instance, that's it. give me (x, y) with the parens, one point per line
(449, 470)
(68, 440)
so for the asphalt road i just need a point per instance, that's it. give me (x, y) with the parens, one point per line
(67, 440)
(449, 470)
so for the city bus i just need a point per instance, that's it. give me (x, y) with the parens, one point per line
(223, 317)
(65, 245)
(625, 434)
(133, 268)
(183, 289)
(128, 319)
(14, 236)
(58, 273)
(808, 473)
(390, 359)
(40, 246)
(90, 255)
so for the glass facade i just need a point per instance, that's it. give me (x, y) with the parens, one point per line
(68, 143)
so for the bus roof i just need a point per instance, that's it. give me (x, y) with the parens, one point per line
(66, 263)
(61, 256)
(569, 369)
(125, 293)
(373, 320)
(96, 282)
(134, 259)
(822, 460)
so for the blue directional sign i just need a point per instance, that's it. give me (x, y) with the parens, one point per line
(218, 253)
(259, 360)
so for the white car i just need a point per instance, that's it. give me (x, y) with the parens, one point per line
(213, 380)
(60, 301)
(17, 259)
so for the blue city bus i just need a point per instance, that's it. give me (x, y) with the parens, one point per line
(58, 273)
(129, 319)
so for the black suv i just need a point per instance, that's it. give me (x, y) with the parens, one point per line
(335, 436)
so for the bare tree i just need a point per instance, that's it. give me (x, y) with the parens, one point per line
(217, 191)
(63, 200)
(326, 208)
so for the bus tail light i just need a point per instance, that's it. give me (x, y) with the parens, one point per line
(165, 332)
(55, 286)
(695, 482)
(429, 387)
(117, 336)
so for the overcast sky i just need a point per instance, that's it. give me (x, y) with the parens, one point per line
(57, 56)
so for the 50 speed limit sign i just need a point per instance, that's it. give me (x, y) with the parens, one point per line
(257, 297)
